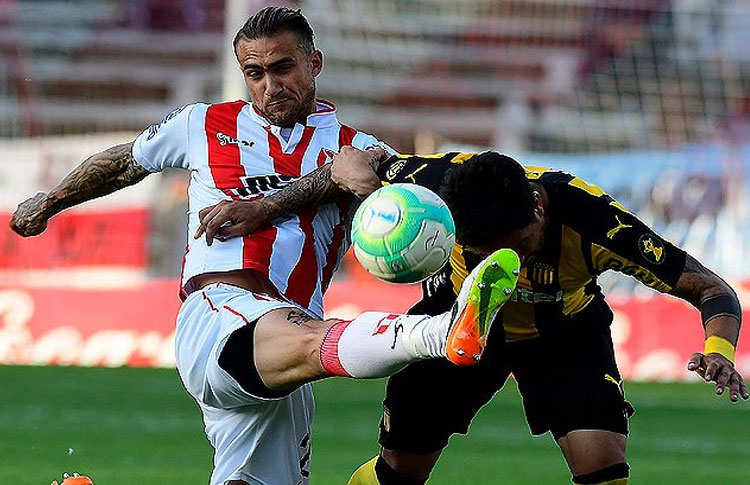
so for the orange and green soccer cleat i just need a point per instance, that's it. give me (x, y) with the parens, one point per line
(483, 293)
(74, 479)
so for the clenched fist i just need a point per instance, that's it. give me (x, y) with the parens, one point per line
(30, 219)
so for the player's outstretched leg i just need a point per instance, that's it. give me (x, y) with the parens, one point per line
(487, 288)
(291, 349)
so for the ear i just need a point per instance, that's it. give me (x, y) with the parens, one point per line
(538, 205)
(316, 63)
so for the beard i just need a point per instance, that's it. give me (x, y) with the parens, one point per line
(297, 113)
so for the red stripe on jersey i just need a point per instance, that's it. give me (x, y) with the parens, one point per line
(257, 249)
(224, 160)
(332, 256)
(346, 135)
(289, 163)
(304, 276)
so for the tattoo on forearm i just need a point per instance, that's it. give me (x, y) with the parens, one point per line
(99, 175)
(297, 317)
(313, 189)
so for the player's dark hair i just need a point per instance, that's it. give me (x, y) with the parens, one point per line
(489, 196)
(272, 20)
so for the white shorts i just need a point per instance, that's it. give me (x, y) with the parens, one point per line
(258, 440)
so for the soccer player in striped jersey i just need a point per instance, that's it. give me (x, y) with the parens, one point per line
(554, 333)
(250, 333)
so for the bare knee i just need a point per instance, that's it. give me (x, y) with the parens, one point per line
(411, 465)
(589, 451)
(287, 345)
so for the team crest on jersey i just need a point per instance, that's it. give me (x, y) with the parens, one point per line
(544, 274)
(394, 169)
(225, 140)
(652, 249)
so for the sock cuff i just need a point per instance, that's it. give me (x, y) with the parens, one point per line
(329, 350)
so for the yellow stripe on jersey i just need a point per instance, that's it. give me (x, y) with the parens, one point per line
(458, 264)
(462, 157)
(592, 189)
(405, 156)
(603, 259)
(533, 172)
(573, 272)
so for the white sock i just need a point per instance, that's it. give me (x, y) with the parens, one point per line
(377, 344)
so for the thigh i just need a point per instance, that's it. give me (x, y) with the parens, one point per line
(571, 382)
(207, 320)
(266, 443)
(429, 401)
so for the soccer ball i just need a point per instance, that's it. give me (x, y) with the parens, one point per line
(403, 233)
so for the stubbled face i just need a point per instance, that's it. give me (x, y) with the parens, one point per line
(280, 77)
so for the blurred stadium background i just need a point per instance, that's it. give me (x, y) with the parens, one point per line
(649, 99)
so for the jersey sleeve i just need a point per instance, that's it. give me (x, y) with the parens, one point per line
(165, 144)
(363, 141)
(620, 241)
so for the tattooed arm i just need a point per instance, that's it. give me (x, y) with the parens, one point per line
(99, 175)
(721, 315)
(352, 173)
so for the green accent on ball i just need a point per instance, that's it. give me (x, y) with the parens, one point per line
(389, 248)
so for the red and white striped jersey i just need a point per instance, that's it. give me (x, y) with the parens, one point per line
(235, 153)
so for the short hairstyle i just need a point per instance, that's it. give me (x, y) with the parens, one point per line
(489, 196)
(272, 20)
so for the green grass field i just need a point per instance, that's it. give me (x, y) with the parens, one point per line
(126, 426)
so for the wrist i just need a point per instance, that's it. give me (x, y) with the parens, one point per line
(269, 210)
(719, 345)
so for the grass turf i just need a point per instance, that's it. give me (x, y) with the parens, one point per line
(125, 426)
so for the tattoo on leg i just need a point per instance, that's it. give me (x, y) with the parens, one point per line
(297, 317)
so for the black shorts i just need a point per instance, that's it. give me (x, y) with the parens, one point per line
(568, 380)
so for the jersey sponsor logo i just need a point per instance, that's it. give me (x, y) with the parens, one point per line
(153, 130)
(434, 282)
(637, 272)
(263, 183)
(611, 233)
(524, 295)
(652, 249)
(225, 140)
(394, 169)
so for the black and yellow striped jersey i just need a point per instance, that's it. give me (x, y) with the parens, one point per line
(588, 233)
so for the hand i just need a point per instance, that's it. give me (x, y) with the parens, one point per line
(229, 219)
(30, 219)
(717, 368)
(353, 170)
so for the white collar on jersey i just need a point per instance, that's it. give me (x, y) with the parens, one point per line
(324, 115)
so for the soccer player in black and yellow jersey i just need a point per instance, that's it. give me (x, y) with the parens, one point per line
(553, 335)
